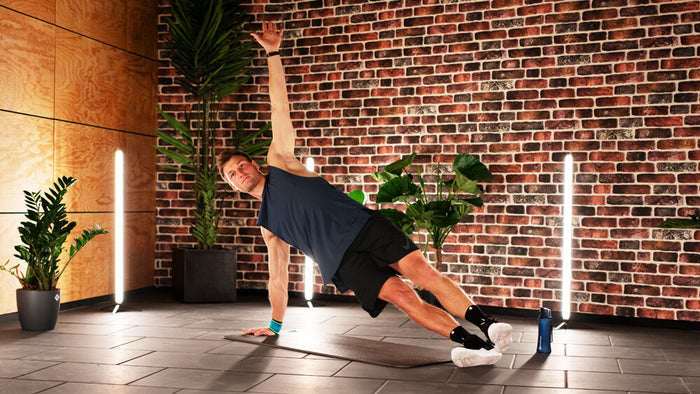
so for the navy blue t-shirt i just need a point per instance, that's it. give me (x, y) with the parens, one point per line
(311, 215)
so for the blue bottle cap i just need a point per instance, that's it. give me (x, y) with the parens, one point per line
(545, 313)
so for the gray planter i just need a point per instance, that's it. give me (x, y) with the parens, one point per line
(38, 310)
(203, 276)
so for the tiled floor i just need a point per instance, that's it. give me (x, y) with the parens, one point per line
(169, 347)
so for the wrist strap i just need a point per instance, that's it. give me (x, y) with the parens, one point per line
(273, 53)
(275, 326)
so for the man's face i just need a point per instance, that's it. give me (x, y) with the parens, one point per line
(241, 174)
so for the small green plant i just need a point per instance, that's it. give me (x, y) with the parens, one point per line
(693, 222)
(43, 236)
(437, 213)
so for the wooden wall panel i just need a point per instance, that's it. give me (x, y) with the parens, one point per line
(27, 64)
(29, 141)
(90, 81)
(142, 28)
(141, 93)
(70, 95)
(102, 20)
(91, 273)
(41, 9)
(87, 154)
(93, 165)
(9, 237)
(139, 172)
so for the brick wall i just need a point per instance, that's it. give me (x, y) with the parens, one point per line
(520, 83)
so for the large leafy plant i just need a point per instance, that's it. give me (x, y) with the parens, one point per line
(211, 53)
(439, 212)
(43, 235)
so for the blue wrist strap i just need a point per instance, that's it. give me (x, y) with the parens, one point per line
(275, 326)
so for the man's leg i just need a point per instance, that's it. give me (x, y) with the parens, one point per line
(475, 351)
(414, 267)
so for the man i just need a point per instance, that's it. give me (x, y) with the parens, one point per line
(356, 248)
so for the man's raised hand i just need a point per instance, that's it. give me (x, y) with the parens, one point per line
(270, 38)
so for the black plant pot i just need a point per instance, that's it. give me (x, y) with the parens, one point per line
(202, 276)
(38, 310)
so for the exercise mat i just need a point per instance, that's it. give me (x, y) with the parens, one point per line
(350, 348)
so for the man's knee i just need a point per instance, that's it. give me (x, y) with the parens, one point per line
(396, 292)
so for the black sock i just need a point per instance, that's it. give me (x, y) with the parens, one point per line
(469, 341)
(475, 316)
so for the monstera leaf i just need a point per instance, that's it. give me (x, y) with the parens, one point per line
(397, 189)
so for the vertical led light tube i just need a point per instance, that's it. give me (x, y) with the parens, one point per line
(118, 229)
(308, 263)
(566, 237)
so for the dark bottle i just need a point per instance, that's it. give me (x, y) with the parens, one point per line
(544, 331)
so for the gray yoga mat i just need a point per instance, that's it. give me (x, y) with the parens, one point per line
(351, 348)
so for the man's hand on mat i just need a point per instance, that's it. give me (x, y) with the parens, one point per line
(270, 38)
(259, 332)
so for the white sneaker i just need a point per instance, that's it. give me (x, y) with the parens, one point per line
(463, 357)
(500, 335)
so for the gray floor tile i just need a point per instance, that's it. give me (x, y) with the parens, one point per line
(692, 383)
(563, 363)
(92, 388)
(175, 347)
(573, 337)
(292, 384)
(614, 352)
(12, 351)
(403, 387)
(153, 321)
(200, 379)
(530, 348)
(659, 338)
(92, 356)
(163, 332)
(629, 382)
(290, 366)
(17, 368)
(172, 345)
(21, 386)
(653, 367)
(219, 362)
(429, 373)
(78, 340)
(685, 355)
(92, 373)
(248, 349)
(89, 329)
(510, 377)
(541, 390)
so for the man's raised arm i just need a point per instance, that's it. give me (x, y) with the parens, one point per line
(283, 135)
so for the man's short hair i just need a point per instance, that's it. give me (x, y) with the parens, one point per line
(225, 156)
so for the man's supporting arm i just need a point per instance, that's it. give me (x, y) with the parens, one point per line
(278, 253)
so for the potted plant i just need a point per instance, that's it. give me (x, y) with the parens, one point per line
(43, 236)
(436, 213)
(209, 51)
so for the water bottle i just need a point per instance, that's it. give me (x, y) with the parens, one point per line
(544, 331)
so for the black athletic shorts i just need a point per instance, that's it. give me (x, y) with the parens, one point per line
(365, 265)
